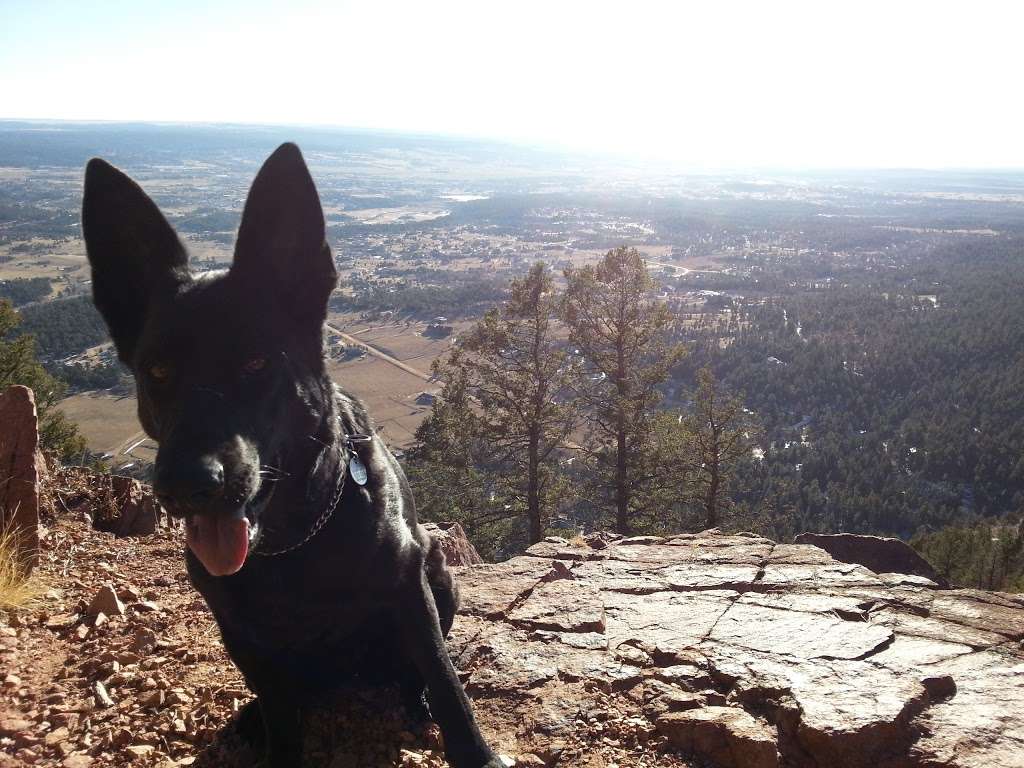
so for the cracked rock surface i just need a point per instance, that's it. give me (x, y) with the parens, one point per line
(743, 653)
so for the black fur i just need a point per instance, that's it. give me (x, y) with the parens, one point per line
(232, 384)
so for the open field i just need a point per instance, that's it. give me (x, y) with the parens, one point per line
(106, 420)
(399, 339)
(52, 265)
(389, 393)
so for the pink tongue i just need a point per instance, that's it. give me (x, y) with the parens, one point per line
(221, 543)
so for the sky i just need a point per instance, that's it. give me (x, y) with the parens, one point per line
(722, 84)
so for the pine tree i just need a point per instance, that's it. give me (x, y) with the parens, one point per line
(488, 454)
(721, 436)
(620, 332)
(443, 466)
(18, 365)
(519, 374)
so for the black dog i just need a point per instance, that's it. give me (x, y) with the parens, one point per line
(302, 534)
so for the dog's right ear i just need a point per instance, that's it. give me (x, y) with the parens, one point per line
(135, 255)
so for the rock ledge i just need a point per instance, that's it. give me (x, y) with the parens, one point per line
(743, 652)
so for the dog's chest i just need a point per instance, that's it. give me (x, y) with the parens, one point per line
(296, 600)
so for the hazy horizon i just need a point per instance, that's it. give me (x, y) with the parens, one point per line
(732, 85)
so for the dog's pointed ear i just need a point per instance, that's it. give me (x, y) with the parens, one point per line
(135, 255)
(281, 240)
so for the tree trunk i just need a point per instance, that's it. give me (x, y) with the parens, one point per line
(621, 486)
(533, 490)
(711, 501)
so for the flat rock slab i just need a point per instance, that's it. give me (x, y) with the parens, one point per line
(746, 653)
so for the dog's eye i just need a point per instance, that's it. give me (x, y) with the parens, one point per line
(160, 372)
(255, 365)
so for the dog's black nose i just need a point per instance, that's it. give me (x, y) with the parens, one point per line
(188, 485)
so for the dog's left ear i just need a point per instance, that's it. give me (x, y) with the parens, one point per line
(281, 246)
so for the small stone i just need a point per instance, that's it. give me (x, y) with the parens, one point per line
(531, 760)
(61, 621)
(77, 761)
(12, 681)
(106, 601)
(140, 751)
(57, 735)
(178, 697)
(153, 699)
(68, 719)
(121, 737)
(146, 606)
(9, 726)
(129, 593)
(144, 641)
(25, 739)
(82, 631)
(102, 697)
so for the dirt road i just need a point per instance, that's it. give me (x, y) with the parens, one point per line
(350, 339)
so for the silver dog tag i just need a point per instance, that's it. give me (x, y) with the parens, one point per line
(357, 469)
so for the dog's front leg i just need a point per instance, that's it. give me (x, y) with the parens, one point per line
(275, 704)
(421, 634)
(283, 726)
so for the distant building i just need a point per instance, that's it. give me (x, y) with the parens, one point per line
(426, 398)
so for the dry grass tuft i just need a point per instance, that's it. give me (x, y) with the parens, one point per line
(17, 585)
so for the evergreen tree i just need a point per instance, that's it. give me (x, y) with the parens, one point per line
(444, 466)
(721, 437)
(18, 365)
(519, 375)
(620, 331)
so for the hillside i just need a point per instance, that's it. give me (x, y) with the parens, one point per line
(695, 650)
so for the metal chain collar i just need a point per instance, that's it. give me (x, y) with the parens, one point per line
(343, 469)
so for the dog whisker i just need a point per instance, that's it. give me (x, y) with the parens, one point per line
(266, 469)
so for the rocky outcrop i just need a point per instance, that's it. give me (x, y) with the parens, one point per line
(22, 469)
(457, 548)
(743, 652)
(877, 553)
(137, 510)
(112, 503)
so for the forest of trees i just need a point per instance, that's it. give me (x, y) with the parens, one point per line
(457, 298)
(23, 290)
(892, 407)
(64, 326)
(983, 555)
